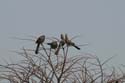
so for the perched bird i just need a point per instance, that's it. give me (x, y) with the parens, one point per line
(66, 39)
(39, 41)
(61, 44)
(70, 43)
(53, 44)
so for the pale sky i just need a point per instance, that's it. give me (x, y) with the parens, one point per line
(101, 23)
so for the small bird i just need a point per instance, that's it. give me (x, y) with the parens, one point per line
(66, 38)
(70, 43)
(39, 41)
(61, 44)
(53, 44)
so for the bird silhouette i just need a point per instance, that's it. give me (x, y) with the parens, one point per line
(66, 39)
(61, 44)
(53, 44)
(70, 43)
(39, 41)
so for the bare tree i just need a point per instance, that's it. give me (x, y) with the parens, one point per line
(54, 64)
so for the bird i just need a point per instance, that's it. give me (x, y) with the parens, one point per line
(61, 43)
(53, 44)
(39, 41)
(70, 43)
(66, 38)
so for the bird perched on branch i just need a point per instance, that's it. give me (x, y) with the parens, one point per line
(70, 43)
(39, 41)
(73, 44)
(53, 44)
(66, 39)
(61, 44)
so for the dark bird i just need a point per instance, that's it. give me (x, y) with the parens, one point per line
(53, 44)
(39, 41)
(61, 44)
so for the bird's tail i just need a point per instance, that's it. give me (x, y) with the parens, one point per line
(37, 49)
(76, 47)
(49, 43)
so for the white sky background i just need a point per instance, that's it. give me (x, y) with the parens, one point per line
(100, 22)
